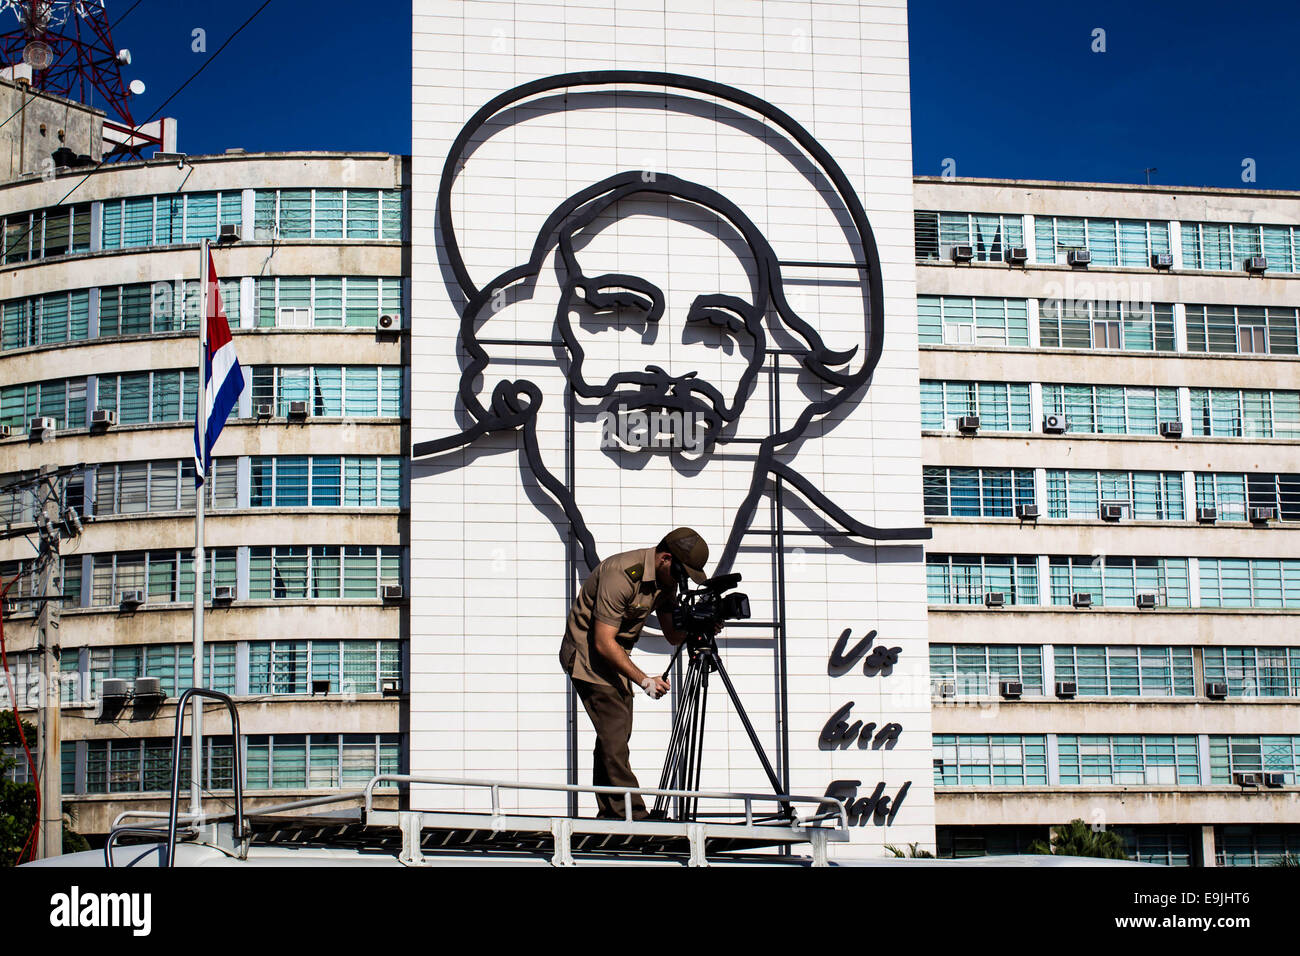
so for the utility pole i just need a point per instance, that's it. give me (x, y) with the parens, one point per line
(49, 591)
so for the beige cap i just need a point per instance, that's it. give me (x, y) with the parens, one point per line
(688, 547)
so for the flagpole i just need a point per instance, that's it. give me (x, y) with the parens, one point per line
(200, 492)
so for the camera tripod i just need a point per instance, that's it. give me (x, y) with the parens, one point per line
(683, 761)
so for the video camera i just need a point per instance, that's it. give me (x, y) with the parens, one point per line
(698, 613)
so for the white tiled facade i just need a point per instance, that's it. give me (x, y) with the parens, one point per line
(489, 571)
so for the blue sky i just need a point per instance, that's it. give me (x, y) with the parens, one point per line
(1007, 89)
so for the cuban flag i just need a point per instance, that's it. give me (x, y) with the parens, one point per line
(223, 380)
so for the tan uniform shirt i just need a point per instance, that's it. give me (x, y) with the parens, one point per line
(622, 592)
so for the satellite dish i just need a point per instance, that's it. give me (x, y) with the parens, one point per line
(137, 87)
(38, 55)
(124, 56)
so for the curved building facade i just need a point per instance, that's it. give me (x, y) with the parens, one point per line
(306, 505)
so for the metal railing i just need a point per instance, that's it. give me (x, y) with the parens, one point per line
(494, 787)
(173, 813)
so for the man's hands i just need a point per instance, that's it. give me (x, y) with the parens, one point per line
(655, 687)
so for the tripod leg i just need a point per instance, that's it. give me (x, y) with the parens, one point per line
(749, 729)
(678, 740)
(697, 748)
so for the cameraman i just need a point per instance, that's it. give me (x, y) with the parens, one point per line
(603, 626)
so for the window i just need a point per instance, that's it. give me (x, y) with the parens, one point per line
(1001, 406)
(1245, 413)
(1111, 409)
(1103, 325)
(1144, 495)
(167, 220)
(45, 320)
(353, 391)
(1241, 329)
(325, 301)
(988, 235)
(118, 765)
(962, 320)
(965, 578)
(297, 761)
(1126, 671)
(1226, 246)
(990, 760)
(1232, 494)
(1254, 671)
(164, 577)
(145, 486)
(350, 666)
(1125, 242)
(172, 664)
(327, 214)
(1251, 845)
(56, 231)
(301, 572)
(977, 668)
(976, 492)
(1151, 759)
(64, 400)
(1250, 754)
(1116, 582)
(1250, 582)
(149, 397)
(296, 481)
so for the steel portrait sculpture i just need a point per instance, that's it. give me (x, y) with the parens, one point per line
(652, 394)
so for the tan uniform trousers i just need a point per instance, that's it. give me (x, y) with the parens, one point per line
(611, 715)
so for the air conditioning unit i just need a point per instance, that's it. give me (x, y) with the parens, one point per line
(393, 592)
(1027, 512)
(1275, 780)
(9, 431)
(1078, 257)
(38, 425)
(1247, 779)
(1081, 599)
(1111, 512)
(295, 317)
(148, 687)
(390, 687)
(1162, 260)
(1017, 255)
(968, 423)
(298, 410)
(945, 688)
(1053, 425)
(1259, 515)
(1171, 429)
(229, 232)
(1066, 688)
(1146, 600)
(995, 598)
(113, 688)
(11, 607)
(1011, 689)
(389, 323)
(264, 411)
(103, 418)
(1207, 515)
(1216, 691)
(132, 598)
(1257, 264)
(963, 253)
(223, 594)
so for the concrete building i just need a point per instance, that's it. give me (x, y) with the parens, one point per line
(307, 504)
(1116, 529)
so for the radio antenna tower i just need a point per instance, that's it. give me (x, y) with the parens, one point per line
(69, 48)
